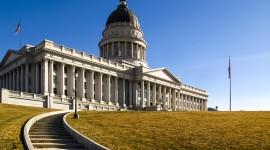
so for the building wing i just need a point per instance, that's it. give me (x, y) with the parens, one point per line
(164, 74)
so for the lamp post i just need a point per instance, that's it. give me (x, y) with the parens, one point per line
(76, 104)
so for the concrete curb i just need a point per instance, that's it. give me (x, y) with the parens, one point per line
(85, 141)
(28, 125)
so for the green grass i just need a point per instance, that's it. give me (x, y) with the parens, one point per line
(12, 119)
(176, 130)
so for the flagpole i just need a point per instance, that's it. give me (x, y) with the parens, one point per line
(20, 36)
(230, 75)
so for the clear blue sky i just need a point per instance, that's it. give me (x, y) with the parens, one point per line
(192, 38)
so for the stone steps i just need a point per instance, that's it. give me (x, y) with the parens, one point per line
(49, 133)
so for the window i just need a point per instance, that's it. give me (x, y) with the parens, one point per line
(85, 74)
(54, 90)
(85, 95)
(54, 67)
(65, 81)
(54, 79)
(85, 85)
(66, 69)
(66, 92)
(29, 79)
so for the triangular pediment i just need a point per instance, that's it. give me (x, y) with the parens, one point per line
(164, 74)
(10, 56)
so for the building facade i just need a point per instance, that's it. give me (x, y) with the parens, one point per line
(119, 78)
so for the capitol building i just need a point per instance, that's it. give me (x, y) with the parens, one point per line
(51, 75)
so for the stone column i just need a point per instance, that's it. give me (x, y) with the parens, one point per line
(116, 91)
(81, 83)
(33, 78)
(196, 104)
(148, 94)
(44, 77)
(22, 79)
(18, 80)
(164, 98)
(131, 50)
(130, 93)
(26, 88)
(187, 103)
(135, 93)
(199, 104)
(50, 77)
(205, 105)
(92, 89)
(142, 94)
(13, 80)
(154, 94)
(159, 95)
(182, 102)
(99, 88)
(108, 89)
(61, 79)
(124, 92)
(37, 79)
(179, 101)
(174, 100)
(170, 99)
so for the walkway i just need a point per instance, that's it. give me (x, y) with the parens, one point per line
(49, 133)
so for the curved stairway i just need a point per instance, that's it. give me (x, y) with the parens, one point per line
(49, 133)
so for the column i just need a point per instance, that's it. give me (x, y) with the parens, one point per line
(148, 94)
(60, 78)
(38, 79)
(205, 105)
(26, 88)
(92, 89)
(142, 94)
(99, 88)
(22, 79)
(179, 101)
(154, 94)
(33, 78)
(159, 95)
(188, 102)
(182, 102)
(174, 100)
(199, 104)
(170, 99)
(130, 93)
(164, 98)
(17, 79)
(131, 50)
(13, 80)
(116, 91)
(124, 92)
(50, 78)
(44, 77)
(108, 89)
(81, 83)
(196, 104)
(135, 94)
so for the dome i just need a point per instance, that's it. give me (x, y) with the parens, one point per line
(123, 14)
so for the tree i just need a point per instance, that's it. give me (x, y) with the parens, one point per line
(216, 107)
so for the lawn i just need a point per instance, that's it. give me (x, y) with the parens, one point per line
(12, 119)
(176, 130)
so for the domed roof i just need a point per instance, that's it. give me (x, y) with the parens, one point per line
(123, 14)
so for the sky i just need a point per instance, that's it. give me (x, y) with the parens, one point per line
(191, 38)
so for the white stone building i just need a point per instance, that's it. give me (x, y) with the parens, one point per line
(43, 75)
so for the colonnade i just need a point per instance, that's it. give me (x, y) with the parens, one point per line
(168, 98)
(58, 79)
(25, 78)
(123, 49)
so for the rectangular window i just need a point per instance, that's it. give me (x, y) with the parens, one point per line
(66, 69)
(54, 79)
(54, 67)
(85, 74)
(66, 92)
(54, 90)
(85, 85)
(85, 94)
(65, 81)
(29, 79)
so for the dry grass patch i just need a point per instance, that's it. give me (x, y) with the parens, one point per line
(12, 119)
(176, 130)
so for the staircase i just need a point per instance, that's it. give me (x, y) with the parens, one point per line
(49, 133)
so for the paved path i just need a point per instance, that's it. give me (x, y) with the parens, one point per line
(50, 134)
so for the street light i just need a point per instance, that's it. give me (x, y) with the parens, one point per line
(76, 115)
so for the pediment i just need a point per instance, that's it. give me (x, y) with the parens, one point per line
(10, 56)
(164, 74)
